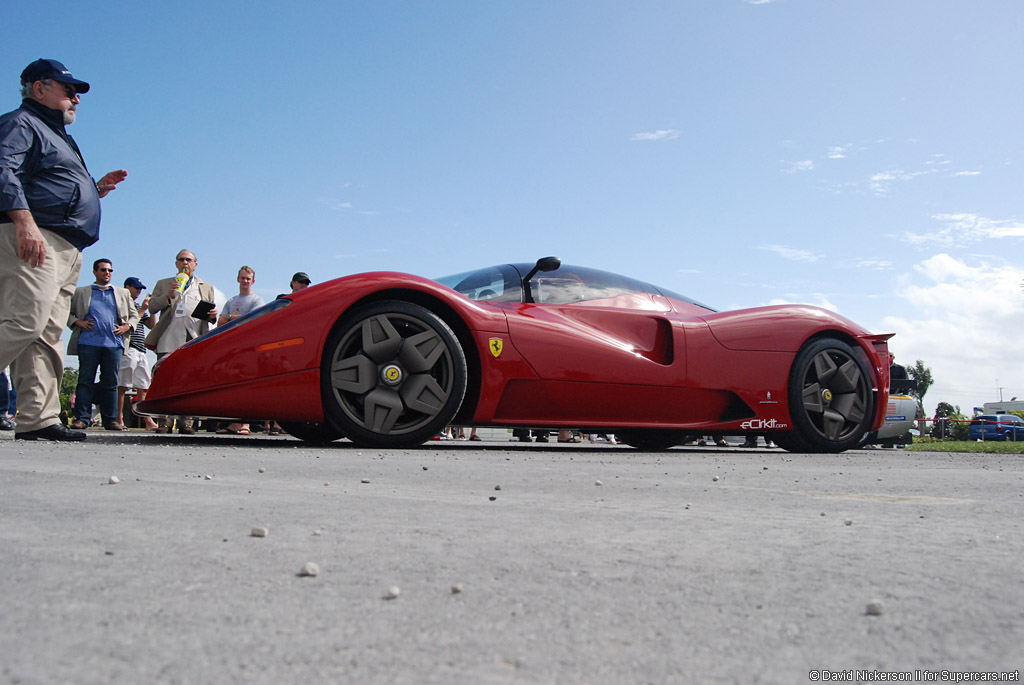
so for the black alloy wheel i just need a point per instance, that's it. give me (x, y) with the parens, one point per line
(831, 402)
(393, 375)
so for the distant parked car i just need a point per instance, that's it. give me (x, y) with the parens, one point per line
(996, 427)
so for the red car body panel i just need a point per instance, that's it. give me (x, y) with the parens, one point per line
(640, 360)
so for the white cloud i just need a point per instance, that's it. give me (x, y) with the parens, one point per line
(967, 325)
(838, 152)
(881, 183)
(876, 264)
(795, 167)
(663, 134)
(960, 230)
(967, 173)
(794, 254)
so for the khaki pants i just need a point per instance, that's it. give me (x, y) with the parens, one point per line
(34, 308)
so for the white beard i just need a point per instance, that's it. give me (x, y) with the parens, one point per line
(69, 116)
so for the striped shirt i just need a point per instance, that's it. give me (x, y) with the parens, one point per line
(139, 334)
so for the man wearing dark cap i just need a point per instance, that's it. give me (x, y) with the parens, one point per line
(49, 212)
(299, 281)
(134, 373)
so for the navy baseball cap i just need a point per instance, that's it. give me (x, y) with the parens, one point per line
(134, 282)
(301, 277)
(43, 69)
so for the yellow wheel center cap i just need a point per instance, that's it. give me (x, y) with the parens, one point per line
(391, 374)
(827, 395)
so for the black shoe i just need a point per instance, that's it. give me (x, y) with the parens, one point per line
(6, 424)
(55, 432)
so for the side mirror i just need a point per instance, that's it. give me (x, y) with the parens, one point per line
(543, 264)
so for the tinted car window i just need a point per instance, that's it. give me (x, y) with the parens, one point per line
(565, 285)
(493, 284)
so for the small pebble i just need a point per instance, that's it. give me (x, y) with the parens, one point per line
(393, 592)
(874, 608)
(497, 487)
(114, 480)
(715, 479)
(318, 532)
(848, 522)
(263, 469)
(457, 588)
(492, 498)
(365, 480)
(310, 569)
(259, 532)
(598, 483)
(207, 477)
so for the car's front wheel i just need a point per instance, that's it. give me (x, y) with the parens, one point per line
(831, 402)
(393, 374)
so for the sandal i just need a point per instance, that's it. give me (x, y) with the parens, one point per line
(78, 425)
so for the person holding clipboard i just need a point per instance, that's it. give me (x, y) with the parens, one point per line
(186, 309)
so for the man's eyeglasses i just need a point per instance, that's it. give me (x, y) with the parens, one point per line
(106, 271)
(185, 259)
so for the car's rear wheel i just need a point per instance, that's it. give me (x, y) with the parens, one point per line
(831, 402)
(316, 433)
(393, 375)
(652, 440)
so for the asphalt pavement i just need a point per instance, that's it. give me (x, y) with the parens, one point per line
(502, 562)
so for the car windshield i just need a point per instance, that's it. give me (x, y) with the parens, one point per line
(565, 285)
(980, 420)
(493, 284)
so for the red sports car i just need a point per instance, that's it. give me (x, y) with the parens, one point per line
(389, 359)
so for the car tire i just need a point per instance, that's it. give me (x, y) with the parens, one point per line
(315, 433)
(831, 401)
(393, 375)
(651, 440)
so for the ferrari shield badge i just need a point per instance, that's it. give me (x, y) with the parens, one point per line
(495, 346)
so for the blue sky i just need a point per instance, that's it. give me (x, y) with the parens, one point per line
(862, 156)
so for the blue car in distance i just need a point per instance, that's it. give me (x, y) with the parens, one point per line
(996, 427)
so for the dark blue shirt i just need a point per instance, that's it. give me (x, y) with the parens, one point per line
(42, 170)
(102, 310)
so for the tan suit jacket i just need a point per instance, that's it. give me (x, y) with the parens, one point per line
(126, 313)
(164, 299)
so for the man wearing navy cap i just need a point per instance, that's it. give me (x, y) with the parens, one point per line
(134, 373)
(49, 212)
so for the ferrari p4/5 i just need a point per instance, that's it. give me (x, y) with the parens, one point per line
(389, 359)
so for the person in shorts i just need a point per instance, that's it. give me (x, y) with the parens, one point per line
(134, 372)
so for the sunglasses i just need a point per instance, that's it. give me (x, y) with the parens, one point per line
(69, 90)
(106, 270)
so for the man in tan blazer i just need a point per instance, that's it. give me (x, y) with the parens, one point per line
(102, 319)
(176, 325)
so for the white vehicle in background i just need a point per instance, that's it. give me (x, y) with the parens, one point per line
(900, 413)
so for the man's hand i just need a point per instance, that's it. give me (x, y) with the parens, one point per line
(121, 329)
(86, 324)
(110, 180)
(31, 243)
(213, 315)
(145, 304)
